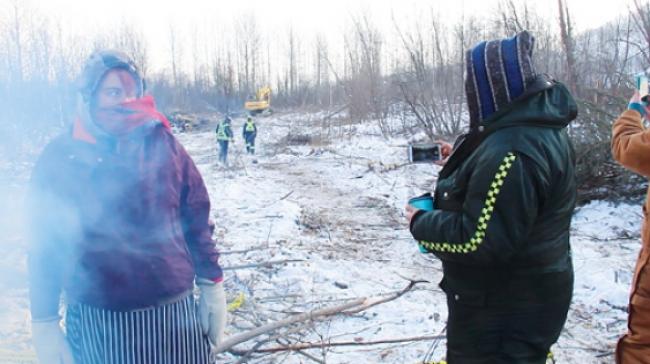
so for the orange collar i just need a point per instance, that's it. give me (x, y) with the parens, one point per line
(79, 132)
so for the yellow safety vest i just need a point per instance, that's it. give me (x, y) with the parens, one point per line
(221, 132)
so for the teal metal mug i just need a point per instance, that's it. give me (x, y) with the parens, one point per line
(423, 202)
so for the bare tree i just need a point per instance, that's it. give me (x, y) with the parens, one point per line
(175, 53)
(513, 18)
(431, 85)
(133, 42)
(292, 54)
(321, 73)
(566, 34)
(16, 41)
(641, 16)
(248, 41)
(368, 91)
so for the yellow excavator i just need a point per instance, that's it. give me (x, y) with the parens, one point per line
(261, 103)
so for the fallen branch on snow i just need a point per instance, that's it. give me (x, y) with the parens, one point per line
(327, 344)
(626, 236)
(307, 316)
(276, 201)
(243, 251)
(263, 264)
(348, 308)
(379, 300)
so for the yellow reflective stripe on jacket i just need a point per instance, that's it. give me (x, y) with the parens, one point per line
(486, 214)
(250, 126)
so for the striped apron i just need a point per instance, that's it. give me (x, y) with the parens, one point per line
(166, 334)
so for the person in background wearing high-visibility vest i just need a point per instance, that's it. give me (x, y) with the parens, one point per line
(224, 136)
(249, 132)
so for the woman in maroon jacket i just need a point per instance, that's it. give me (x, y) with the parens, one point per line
(120, 225)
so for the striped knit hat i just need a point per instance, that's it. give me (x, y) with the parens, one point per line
(498, 71)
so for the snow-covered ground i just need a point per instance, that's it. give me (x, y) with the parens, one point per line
(333, 211)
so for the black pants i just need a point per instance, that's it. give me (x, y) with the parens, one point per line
(506, 332)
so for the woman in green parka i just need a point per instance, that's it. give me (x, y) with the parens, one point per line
(503, 206)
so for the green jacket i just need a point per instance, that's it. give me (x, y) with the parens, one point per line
(504, 200)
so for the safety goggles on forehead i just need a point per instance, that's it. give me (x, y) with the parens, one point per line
(112, 61)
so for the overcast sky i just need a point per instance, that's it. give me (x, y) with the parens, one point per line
(153, 17)
(315, 14)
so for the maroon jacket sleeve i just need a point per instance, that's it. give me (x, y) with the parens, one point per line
(197, 227)
(45, 216)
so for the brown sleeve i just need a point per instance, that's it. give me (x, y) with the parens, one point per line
(631, 143)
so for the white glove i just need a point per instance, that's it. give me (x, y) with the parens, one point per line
(212, 309)
(50, 343)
